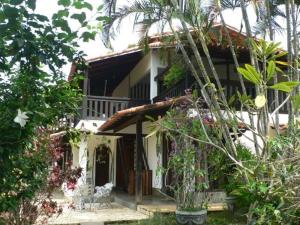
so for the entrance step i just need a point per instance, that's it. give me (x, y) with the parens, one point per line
(124, 202)
(150, 210)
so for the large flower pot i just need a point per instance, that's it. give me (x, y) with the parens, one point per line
(191, 217)
(231, 203)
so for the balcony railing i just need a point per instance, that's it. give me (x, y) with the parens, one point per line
(101, 107)
(230, 88)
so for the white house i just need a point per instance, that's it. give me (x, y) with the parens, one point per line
(121, 90)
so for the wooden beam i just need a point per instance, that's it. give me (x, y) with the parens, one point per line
(138, 161)
(117, 134)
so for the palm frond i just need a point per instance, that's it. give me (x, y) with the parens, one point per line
(145, 14)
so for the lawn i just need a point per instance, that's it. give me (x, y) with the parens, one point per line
(214, 218)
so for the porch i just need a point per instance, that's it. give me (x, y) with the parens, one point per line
(161, 203)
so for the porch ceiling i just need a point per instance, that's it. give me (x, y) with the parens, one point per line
(113, 69)
(127, 117)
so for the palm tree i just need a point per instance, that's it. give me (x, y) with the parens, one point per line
(191, 14)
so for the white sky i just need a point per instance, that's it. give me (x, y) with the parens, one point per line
(126, 36)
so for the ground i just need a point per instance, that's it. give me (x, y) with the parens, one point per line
(97, 216)
(118, 214)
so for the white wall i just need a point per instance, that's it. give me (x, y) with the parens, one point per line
(84, 156)
(137, 73)
(247, 138)
(154, 160)
(149, 63)
(93, 142)
(156, 62)
(82, 159)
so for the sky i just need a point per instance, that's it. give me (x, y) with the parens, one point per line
(126, 36)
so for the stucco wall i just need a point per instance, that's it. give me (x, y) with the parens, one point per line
(154, 160)
(90, 142)
(156, 62)
(138, 72)
(247, 138)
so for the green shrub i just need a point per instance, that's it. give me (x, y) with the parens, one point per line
(174, 75)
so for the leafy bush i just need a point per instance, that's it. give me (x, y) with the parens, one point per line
(34, 94)
(174, 75)
(272, 189)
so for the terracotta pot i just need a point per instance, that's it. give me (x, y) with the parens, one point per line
(191, 217)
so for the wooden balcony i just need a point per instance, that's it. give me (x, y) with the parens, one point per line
(230, 88)
(102, 107)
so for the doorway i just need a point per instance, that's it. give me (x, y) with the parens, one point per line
(102, 165)
(124, 161)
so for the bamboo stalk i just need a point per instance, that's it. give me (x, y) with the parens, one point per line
(271, 34)
(207, 80)
(239, 75)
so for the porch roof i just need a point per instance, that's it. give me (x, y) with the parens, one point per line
(127, 117)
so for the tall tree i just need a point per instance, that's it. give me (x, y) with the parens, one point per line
(260, 71)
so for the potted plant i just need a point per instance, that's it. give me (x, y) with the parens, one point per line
(185, 169)
(221, 165)
(188, 187)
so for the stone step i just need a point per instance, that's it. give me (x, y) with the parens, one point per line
(125, 203)
(149, 210)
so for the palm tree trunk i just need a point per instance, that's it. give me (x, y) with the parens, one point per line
(271, 34)
(212, 91)
(239, 75)
(263, 122)
(290, 60)
(295, 48)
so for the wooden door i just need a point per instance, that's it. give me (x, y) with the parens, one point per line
(125, 160)
(102, 166)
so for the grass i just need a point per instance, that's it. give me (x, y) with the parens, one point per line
(214, 218)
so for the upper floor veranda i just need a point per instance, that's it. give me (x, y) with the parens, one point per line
(132, 78)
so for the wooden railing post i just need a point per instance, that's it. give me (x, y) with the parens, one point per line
(138, 162)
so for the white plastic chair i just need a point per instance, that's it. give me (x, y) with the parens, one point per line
(103, 194)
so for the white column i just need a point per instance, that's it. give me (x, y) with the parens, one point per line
(83, 160)
(156, 63)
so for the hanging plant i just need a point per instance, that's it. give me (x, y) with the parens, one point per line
(174, 75)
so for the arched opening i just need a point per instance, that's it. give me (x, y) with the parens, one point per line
(102, 165)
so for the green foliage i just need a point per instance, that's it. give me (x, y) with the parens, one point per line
(271, 70)
(272, 189)
(174, 75)
(267, 53)
(184, 165)
(221, 165)
(251, 74)
(33, 51)
(285, 86)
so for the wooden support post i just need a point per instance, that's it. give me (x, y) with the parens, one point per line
(138, 162)
(228, 71)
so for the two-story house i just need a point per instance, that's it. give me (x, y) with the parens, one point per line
(121, 90)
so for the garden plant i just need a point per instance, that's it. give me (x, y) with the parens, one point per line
(269, 185)
(34, 96)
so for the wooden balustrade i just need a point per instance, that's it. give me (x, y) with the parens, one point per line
(101, 107)
(230, 88)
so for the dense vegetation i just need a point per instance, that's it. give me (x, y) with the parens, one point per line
(34, 95)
